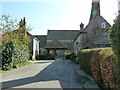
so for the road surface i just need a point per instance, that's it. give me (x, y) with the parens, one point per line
(42, 74)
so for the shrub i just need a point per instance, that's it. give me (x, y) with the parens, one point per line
(107, 63)
(68, 55)
(84, 57)
(115, 39)
(100, 64)
(45, 57)
(95, 66)
(73, 58)
(13, 55)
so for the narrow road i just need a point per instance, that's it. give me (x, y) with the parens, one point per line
(42, 74)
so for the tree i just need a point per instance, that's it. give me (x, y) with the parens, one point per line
(11, 30)
(115, 40)
(7, 24)
(14, 48)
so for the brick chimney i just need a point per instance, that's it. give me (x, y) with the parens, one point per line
(22, 25)
(81, 26)
(22, 22)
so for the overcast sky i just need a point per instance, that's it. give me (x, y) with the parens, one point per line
(57, 14)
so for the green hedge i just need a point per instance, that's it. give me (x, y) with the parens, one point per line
(100, 63)
(84, 57)
(68, 55)
(45, 57)
(13, 55)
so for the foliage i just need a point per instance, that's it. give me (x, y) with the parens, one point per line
(84, 57)
(107, 63)
(45, 57)
(74, 58)
(14, 48)
(115, 39)
(100, 64)
(13, 55)
(20, 65)
(68, 55)
(8, 28)
(7, 24)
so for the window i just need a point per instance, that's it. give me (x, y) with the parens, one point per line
(103, 25)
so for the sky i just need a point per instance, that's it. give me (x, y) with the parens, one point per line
(45, 15)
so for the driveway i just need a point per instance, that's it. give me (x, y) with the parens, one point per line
(43, 74)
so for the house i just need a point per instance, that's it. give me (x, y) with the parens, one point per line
(95, 34)
(34, 42)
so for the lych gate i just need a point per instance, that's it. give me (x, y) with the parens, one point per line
(56, 48)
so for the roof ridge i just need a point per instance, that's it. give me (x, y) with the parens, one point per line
(39, 35)
(63, 30)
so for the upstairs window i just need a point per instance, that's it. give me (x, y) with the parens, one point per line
(103, 25)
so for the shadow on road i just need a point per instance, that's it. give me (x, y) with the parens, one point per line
(51, 72)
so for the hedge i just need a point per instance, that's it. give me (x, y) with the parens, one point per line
(45, 57)
(114, 36)
(100, 63)
(13, 55)
(84, 57)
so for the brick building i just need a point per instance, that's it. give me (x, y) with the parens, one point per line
(95, 34)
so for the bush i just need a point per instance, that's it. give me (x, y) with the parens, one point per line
(45, 57)
(13, 55)
(115, 39)
(107, 62)
(100, 64)
(73, 58)
(68, 55)
(84, 57)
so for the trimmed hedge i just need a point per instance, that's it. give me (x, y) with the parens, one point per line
(84, 57)
(13, 55)
(68, 55)
(100, 64)
(45, 57)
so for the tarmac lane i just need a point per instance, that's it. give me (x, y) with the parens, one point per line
(42, 74)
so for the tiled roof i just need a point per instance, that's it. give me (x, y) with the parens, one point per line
(61, 38)
(56, 44)
(62, 34)
(43, 40)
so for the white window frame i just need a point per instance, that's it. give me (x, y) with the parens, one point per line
(103, 25)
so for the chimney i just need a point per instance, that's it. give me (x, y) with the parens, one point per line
(20, 23)
(81, 26)
(24, 21)
(95, 10)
